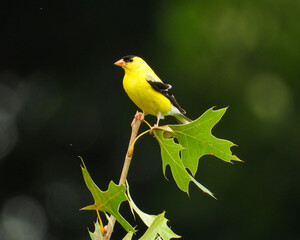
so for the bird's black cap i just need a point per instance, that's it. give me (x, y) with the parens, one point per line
(128, 58)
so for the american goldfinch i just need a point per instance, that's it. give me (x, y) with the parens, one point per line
(147, 91)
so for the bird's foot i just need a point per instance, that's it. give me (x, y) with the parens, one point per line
(152, 128)
(139, 116)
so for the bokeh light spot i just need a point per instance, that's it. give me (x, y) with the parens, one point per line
(8, 133)
(10, 104)
(63, 203)
(42, 96)
(269, 97)
(23, 218)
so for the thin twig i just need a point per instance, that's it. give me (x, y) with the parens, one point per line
(134, 131)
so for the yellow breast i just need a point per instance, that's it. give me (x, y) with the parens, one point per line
(144, 96)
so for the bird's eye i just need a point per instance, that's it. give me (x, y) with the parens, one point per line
(130, 60)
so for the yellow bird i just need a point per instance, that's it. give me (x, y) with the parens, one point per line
(148, 92)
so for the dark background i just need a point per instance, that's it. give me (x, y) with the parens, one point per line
(61, 96)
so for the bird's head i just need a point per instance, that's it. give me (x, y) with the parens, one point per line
(131, 63)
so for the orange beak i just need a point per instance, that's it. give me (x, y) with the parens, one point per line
(120, 63)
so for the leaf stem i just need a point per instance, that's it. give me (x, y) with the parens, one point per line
(147, 123)
(134, 131)
(130, 152)
(100, 222)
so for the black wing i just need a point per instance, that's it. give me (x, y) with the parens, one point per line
(164, 89)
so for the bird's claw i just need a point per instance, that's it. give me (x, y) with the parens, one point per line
(152, 128)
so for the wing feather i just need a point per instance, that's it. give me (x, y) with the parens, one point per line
(164, 89)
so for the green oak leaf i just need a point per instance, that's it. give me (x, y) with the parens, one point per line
(197, 140)
(194, 141)
(152, 231)
(170, 154)
(155, 227)
(164, 231)
(108, 201)
(128, 236)
(96, 235)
